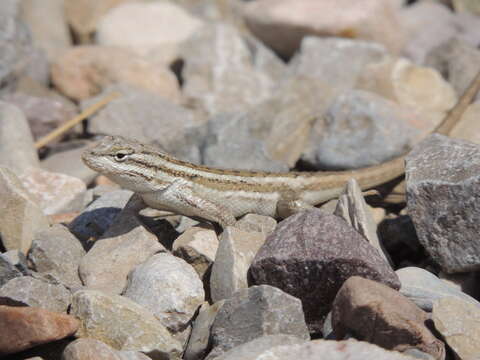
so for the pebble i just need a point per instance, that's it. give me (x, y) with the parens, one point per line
(254, 222)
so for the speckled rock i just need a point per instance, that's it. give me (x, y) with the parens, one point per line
(255, 222)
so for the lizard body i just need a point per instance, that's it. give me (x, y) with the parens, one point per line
(220, 195)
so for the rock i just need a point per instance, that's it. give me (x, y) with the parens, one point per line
(56, 251)
(29, 327)
(468, 25)
(18, 260)
(91, 349)
(122, 324)
(354, 210)
(463, 282)
(257, 347)
(8, 271)
(99, 216)
(282, 24)
(255, 312)
(457, 321)
(84, 71)
(17, 150)
(197, 246)
(198, 343)
(144, 117)
(126, 244)
(357, 125)
(168, 287)
(254, 222)
(220, 73)
(22, 216)
(51, 36)
(235, 253)
(55, 193)
(35, 292)
(424, 288)
(164, 26)
(442, 189)
(466, 6)
(374, 312)
(467, 128)
(310, 255)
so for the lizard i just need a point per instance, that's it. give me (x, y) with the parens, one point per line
(220, 195)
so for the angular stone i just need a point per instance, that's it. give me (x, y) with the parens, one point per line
(310, 255)
(255, 312)
(235, 253)
(255, 222)
(443, 190)
(374, 312)
(424, 288)
(56, 251)
(35, 292)
(84, 71)
(122, 324)
(21, 216)
(17, 150)
(168, 287)
(197, 246)
(458, 323)
(91, 349)
(7, 271)
(17, 259)
(29, 327)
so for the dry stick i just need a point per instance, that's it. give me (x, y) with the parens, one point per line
(77, 119)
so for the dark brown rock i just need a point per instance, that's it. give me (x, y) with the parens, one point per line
(373, 312)
(310, 255)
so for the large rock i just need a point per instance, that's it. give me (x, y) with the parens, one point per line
(443, 188)
(255, 312)
(122, 324)
(310, 255)
(376, 313)
(29, 327)
(22, 217)
(91, 349)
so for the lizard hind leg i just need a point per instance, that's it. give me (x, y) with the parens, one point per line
(288, 207)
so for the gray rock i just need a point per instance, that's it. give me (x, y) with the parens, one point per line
(22, 216)
(144, 117)
(99, 215)
(122, 324)
(310, 255)
(17, 150)
(255, 312)
(234, 255)
(17, 259)
(90, 349)
(358, 132)
(8, 271)
(36, 292)
(424, 288)
(255, 222)
(168, 287)
(443, 189)
(56, 251)
(126, 244)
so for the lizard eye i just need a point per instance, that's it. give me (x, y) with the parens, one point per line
(120, 156)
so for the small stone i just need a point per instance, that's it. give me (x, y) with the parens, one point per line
(122, 324)
(254, 222)
(35, 292)
(22, 217)
(235, 253)
(7, 271)
(424, 288)
(374, 312)
(458, 323)
(255, 312)
(91, 349)
(54, 192)
(29, 327)
(442, 199)
(56, 251)
(310, 255)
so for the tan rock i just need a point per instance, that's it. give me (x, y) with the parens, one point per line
(469, 127)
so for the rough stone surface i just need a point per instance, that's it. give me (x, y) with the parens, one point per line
(56, 251)
(255, 312)
(376, 313)
(235, 253)
(443, 190)
(84, 71)
(458, 323)
(282, 24)
(122, 324)
(255, 222)
(8, 271)
(91, 349)
(424, 288)
(36, 292)
(29, 326)
(310, 255)
(21, 216)
(17, 150)
(168, 287)
(17, 259)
